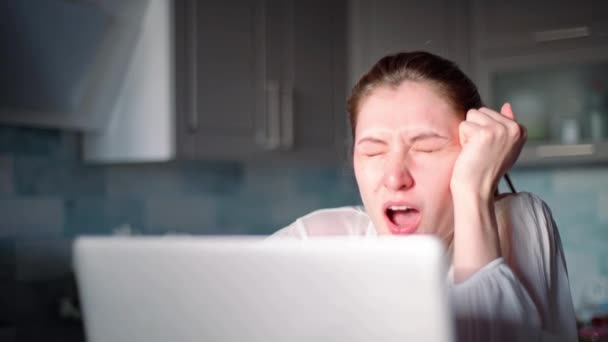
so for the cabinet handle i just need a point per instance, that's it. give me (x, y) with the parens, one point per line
(562, 34)
(193, 121)
(273, 115)
(287, 124)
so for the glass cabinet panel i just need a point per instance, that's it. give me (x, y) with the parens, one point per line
(561, 104)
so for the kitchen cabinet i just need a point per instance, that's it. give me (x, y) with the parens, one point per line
(219, 76)
(315, 56)
(261, 79)
(378, 28)
(252, 80)
(550, 60)
(511, 27)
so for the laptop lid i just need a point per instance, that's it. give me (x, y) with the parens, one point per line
(246, 289)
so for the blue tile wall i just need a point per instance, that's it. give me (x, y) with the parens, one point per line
(24, 216)
(97, 215)
(185, 214)
(6, 175)
(183, 178)
(27, 141)
(39, 176)
(47, 197)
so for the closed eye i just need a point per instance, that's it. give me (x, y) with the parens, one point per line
(429, 146)
(371, 147)
(371, 151)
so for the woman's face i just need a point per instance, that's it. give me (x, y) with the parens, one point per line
(406, 143)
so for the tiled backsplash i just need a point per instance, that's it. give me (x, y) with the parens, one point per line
(47, 196)
(41, 173)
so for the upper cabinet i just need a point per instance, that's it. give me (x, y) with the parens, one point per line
(220, 54)
(549, 59)
(378, 28)
(268, 79)
(315, 78)
(260, 79)
(252, 80)
(510, 27)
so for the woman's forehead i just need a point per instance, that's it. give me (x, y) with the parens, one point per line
(412, 104)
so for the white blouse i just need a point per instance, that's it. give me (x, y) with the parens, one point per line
(523, 297)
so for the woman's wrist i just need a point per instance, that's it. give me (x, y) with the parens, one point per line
(472, 191)
(475, 232)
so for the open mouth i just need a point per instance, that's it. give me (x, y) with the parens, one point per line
(402, 219)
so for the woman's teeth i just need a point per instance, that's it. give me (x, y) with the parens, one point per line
(399, 207)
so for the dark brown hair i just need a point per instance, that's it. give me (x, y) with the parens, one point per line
(417, 66)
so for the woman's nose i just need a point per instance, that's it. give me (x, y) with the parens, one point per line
(397, 175)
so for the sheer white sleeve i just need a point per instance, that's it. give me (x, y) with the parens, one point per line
(527, 299)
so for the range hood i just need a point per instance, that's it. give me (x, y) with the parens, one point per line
(63, 62)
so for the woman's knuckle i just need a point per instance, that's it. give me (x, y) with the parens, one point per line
(487, 134)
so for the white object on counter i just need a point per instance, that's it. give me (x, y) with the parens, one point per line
(570, 131)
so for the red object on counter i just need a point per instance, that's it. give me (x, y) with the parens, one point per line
(599, 321)
(595, 334)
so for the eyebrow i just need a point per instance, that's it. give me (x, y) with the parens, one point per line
(427, 135)
(371, 140)
(417, 137)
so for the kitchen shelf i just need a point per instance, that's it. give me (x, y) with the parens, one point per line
(537, 154)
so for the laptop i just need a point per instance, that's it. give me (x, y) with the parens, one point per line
(136, 289)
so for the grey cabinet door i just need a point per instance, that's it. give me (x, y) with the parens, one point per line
(315, 54)
(382, 27)
(511, 27)
(219, 56)
(305, 67)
